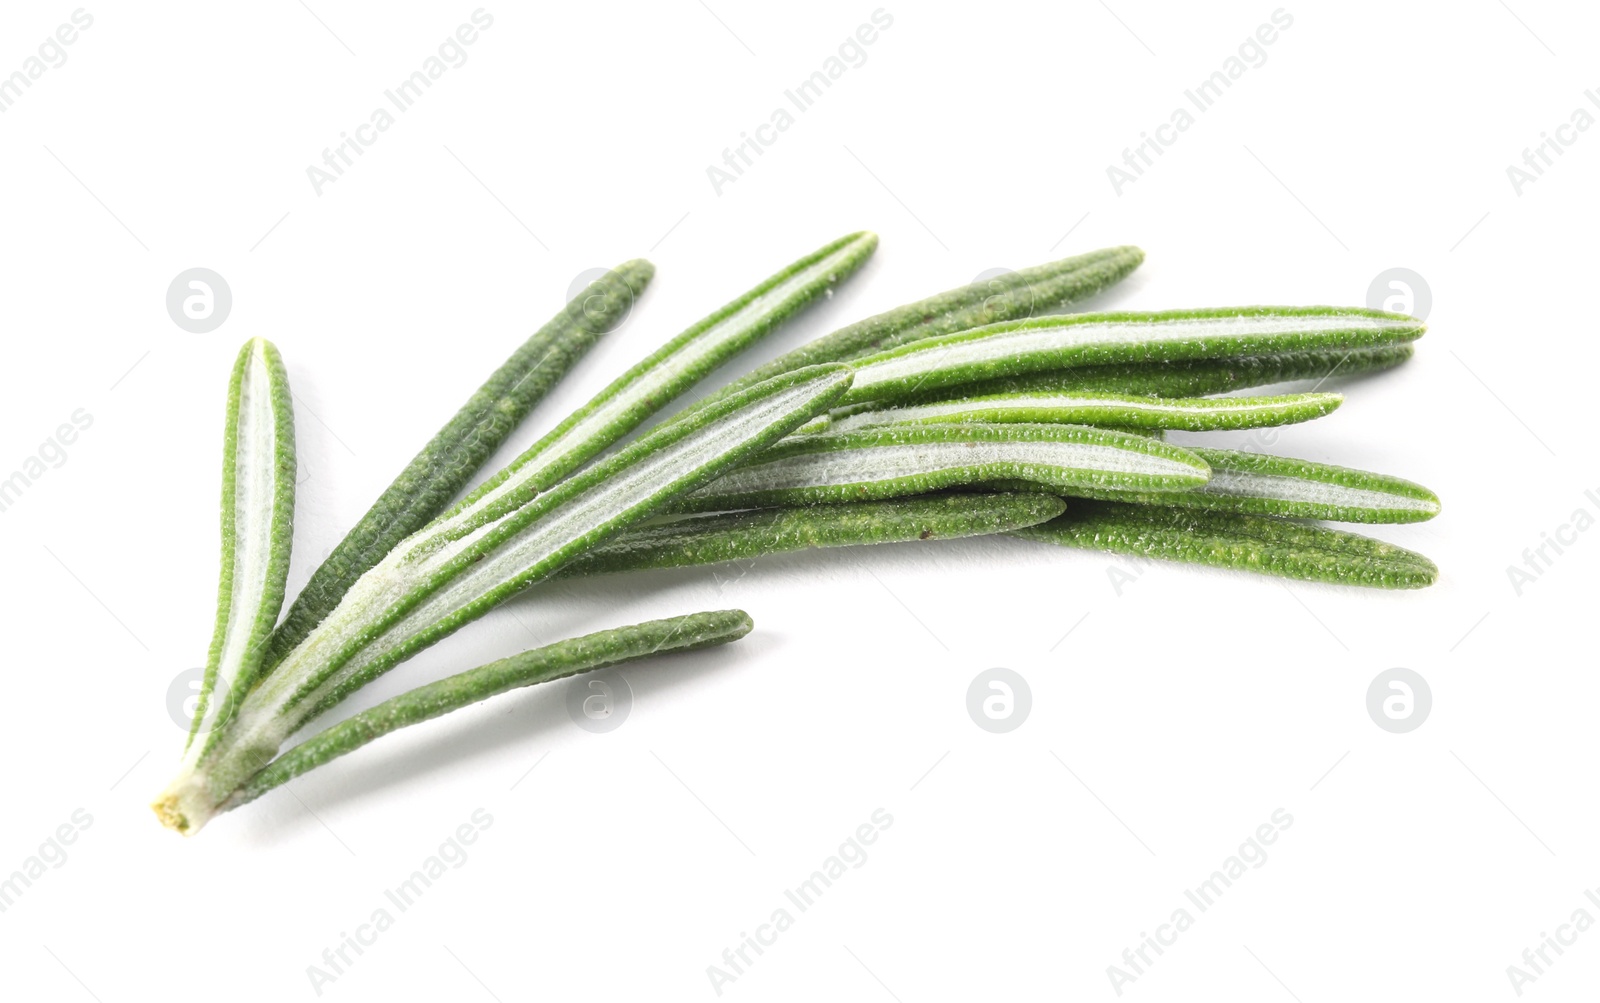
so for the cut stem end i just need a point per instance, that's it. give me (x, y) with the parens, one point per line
(184, 806)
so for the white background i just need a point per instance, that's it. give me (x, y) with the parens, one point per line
(1176, 717)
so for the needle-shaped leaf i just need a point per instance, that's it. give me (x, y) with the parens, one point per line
(1091, 407)
(437, 582)
(662, 377)
(1241, 542)
(1262, 484)
(540, 665)
(1030, 346)
(897, 460)
(258, 471)
(449, 461)
(738, 536)
(1188, 378)
(1027, 293)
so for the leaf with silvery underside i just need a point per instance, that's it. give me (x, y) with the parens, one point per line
(1240, 542)
(433, 585)
(1022, 347)
(660, 378)
(1085, 407)
(1262, 484)
(894, 461)
(1027, 293)
(1190, 378)
(540, 665)
(738, 536)
(258, 472)
(451, 458)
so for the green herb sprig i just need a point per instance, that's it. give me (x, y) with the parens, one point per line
(971, 413)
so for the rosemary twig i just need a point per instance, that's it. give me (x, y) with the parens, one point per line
(968, 392)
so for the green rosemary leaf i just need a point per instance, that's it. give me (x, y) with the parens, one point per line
(540, 665)
(1262, 484)
(1189, 378)
(737, 536)
(1086, 407)
(258, 472)
(1241, 542)
(453, 456)
(897, 460)
(1029, 346)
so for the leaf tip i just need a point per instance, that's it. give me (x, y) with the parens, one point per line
(635, 273)
(739, 624)
(1420, 575)
(1044, 507)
